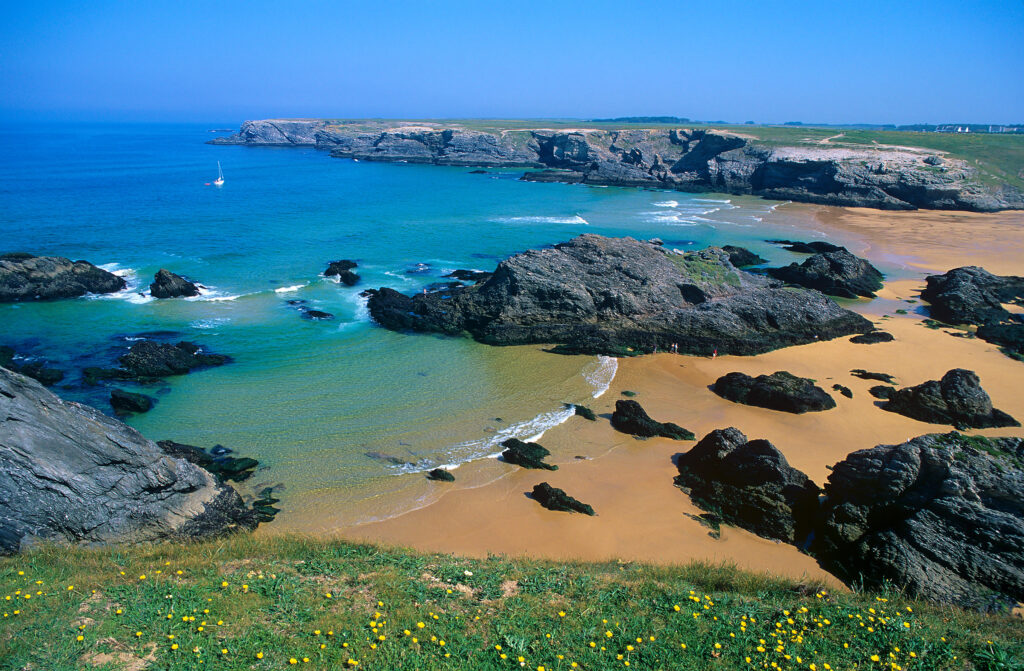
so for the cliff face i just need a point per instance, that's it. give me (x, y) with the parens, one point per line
(895, 178)
(68, 473)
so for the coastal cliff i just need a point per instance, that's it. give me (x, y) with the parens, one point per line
(697, 160)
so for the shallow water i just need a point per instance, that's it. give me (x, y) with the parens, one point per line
(312, 399)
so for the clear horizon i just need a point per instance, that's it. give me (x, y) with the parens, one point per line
(768, 62)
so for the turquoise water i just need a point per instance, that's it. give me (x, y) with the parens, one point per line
(311, 399)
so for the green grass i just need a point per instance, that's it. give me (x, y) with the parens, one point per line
(250, 602)
(704, 271)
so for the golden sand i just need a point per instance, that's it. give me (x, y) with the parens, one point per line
(640, 514)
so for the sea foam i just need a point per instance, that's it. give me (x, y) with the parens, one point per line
(577, 219)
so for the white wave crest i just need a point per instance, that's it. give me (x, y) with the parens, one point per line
(712, 200)
(401, 276)
(209, 323)
(286, 290)
(601, 375)
(666, 203)
(577, 219)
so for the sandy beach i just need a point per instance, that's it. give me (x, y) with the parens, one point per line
(640, 514)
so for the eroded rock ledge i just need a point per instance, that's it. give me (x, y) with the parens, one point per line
(620, 296)
(893, 178)
(69, 473)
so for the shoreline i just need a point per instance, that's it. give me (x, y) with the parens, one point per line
(641, 515)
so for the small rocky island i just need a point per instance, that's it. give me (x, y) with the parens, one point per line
(25, 277)
(620, 296)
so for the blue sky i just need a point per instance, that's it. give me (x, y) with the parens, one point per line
(221, 60)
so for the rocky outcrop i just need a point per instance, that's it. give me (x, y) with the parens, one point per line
(343, 271)
(554, 498)
(217, 461)
(956, 399)
(127, 402)
(939, 516)
(972, 295)
(148, 359)
(582, 411)
(527, 455)
(741, 257)
(779, 391)
(696, 160)
(68, 473)
(441, 475)
(845, 391)
(24, 277)
(620, 296)
(37, 370)
(836, 273)
(168, 285)
(872, 338)
(629, 417)
(749, 484)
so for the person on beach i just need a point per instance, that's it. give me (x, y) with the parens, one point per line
(714, 355)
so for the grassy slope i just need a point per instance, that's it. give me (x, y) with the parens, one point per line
(257, 603)
(999, 157)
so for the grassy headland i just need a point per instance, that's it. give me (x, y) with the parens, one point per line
(252, 602)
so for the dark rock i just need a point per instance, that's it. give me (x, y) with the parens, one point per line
(740, 257)
(234, 468)
(24, 277)
(343, 271)
(778, 391)
(939, 517)
(583, 411)
(225, 468)
(553, 498)
(629, 417)
(845, 391)
(872, 338)
(527, 455)
(619, 296)
(168, 285)
(957, 399)
(881, 391)
(33, 369)
(1009, 337)
(868, 375)
(470, 275)
(972, 295)
(149, 359)
(93, 375)
(477, 172)
(837, 273)
(68, 473)
(418, 269)
(749, 484)
(316, 315)
(711, 521)
(441, 474)
(126, 402)
(816, 247)
(628, 394)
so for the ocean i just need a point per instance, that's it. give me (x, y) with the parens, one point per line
(344, 416)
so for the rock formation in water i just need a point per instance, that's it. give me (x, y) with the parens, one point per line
(69, 473)
(749, 484)
(37, 370)
(150, 359)
(24, 277)
(169, 285)
(620, 296)
(779, 391)
(128, 402)
(957, 399)
(629, 417)
(699, 160)
(343, 271)
(527, 455)
(940, 516)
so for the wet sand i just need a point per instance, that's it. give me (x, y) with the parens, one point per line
(641, 515)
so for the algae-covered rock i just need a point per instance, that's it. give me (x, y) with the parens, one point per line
(527, 455)
(629, 417)
(553, 498)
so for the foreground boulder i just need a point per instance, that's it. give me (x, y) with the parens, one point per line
(749, 484)
(972, 295)
(69, 473)
(168, 285)
(527, 455)
(554, 498)
(343, 271)
(836, 273)
(778, 391)
(620, 296)
(24, 277)
(956, 399)
(940, 516)
(629, 417)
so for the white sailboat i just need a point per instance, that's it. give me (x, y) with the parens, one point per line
(220, 176)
